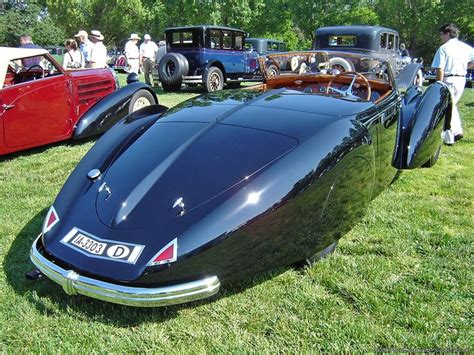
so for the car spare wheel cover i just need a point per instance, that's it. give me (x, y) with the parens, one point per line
(172, 67)
(341, 62)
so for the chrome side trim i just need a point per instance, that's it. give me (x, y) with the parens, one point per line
(73, 284)
(196, 79)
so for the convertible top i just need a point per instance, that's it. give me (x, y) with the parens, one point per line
(8, 54)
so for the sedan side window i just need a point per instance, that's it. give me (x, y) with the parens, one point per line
(215, 37)
(226, 40)
(239, 40)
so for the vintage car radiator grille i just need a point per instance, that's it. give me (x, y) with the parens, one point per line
(93, 91)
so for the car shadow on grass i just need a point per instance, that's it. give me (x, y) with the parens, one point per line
(43, 148)
(50, 299)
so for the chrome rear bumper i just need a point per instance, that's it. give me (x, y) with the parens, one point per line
(73, 284)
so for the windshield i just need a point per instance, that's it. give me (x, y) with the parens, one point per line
(343, 75)
(323, 62)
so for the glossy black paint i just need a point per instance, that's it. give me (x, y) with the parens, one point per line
(421, 124)
(111, 109)
(267, 179)
(407, 75)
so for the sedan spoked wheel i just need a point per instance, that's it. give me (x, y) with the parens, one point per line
(272, 70)
(214, 80)
(142, 98)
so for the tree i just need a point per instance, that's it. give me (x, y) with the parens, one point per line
(23, 18)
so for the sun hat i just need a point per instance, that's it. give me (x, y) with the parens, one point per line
(96, 34)
(146, 37)
(81, 33)
(134, 36)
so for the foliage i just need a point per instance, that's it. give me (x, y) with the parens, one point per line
(20, 18)
(291, 21)
(401, 278)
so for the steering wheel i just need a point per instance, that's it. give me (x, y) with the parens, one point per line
(348, 92)
(37, 66)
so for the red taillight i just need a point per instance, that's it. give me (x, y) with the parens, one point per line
(51, 219)
(167, 254)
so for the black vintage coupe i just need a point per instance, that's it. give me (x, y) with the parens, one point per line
(169, 204)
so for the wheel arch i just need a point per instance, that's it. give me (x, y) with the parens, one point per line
(106, 112)
(218, 64)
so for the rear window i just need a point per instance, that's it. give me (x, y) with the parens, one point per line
(342, 41)
(183, 39)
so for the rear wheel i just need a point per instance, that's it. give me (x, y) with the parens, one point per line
(272, 70)
(214, 80)
(142, 98)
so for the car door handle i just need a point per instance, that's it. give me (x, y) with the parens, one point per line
(7, 107)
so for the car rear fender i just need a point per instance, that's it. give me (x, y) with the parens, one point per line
(108, 111)
(108, 147)
(407, 76)
(423, 117)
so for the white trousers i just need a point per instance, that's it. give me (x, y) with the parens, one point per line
(456, 87)
(134, 65)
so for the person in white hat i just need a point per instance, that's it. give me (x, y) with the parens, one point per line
(132, 54)
(85, 46)
(99, 52)
(148, 51)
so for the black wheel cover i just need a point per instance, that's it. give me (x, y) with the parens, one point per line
(172, 67)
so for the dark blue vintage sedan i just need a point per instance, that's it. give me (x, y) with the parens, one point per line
(170, 204)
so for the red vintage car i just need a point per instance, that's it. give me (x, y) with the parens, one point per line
(41, 103)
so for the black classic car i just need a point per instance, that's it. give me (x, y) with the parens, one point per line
(264, 46)
(170, 204)
(373, 40)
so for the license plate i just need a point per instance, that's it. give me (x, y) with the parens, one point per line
(95, 247)
(89, 244)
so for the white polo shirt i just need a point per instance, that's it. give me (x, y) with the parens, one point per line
(131, 50)
(453, 57)
(99, 55)
(148, 50)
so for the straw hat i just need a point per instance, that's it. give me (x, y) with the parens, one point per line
(81, 33)
(134, 36)
(96, 34)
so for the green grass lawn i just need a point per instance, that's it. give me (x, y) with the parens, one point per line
(402, 278)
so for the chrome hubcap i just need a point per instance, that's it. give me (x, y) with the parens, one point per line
(214, 82)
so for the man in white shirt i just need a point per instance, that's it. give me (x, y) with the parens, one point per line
(85, 46)
(451, 61)
(98, 57)
(132, 53)
(148, 51)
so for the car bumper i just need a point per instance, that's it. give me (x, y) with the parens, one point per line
(73, 284)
